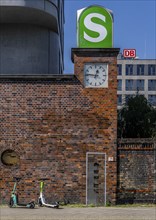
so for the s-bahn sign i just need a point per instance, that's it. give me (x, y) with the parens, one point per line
(94, 27)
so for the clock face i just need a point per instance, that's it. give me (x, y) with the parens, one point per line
(96, 75)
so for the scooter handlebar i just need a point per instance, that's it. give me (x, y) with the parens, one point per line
(17, 179)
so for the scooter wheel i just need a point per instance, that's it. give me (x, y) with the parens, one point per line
(57, 205)
(40, 203)
(11, 203)
(32, 205)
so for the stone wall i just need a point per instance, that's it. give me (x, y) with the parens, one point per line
(136, 171)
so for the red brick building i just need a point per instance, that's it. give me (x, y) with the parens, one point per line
(56, 128)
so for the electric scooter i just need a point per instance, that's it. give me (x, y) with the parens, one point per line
(41, 199)
(14, 199)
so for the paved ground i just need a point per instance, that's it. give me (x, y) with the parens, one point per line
(66, 213)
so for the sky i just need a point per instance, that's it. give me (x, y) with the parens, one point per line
(134, 26)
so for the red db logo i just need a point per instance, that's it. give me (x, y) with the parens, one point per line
(129, 53)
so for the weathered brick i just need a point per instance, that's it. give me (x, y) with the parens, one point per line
(136, 171)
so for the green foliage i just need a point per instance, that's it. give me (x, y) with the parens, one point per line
(137, 119)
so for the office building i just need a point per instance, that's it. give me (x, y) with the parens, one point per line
(136, 76)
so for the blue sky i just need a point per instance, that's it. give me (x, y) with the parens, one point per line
(134, 26)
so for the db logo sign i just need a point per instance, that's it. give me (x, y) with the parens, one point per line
(129, 53)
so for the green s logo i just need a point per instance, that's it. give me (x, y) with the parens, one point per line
(95, 26)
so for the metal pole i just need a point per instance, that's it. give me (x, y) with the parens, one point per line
(105, 180)
(87, 178)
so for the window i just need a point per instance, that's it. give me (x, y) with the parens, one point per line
(119, 100)
(134, 85)
(127, 97)
(129, 84)
(140, 85)
(152, 99)
(119, 69)
(129, 69)
(152, 69)
(152, 85)
(140, 69)
(119, 84)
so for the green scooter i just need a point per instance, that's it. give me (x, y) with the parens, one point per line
(41, 199)
(14, 199)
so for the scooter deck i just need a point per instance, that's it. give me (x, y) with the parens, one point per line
(52, 206)
(21, 204)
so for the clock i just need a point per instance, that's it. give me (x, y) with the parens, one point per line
(96, 75)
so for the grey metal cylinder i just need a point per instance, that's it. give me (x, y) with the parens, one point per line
(31, 37)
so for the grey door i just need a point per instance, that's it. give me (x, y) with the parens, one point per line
(96, 178)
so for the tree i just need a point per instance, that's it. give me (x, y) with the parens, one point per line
(137, 119)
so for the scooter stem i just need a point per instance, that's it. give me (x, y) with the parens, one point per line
(41, 186)
(14, 189)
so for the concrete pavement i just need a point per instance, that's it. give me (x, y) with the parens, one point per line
(67, 213)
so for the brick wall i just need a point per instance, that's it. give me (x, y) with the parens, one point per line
(51, 123)
(136, 171)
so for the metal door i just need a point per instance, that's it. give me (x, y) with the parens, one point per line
(96, 178)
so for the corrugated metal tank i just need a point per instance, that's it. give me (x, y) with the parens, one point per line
(31, 37)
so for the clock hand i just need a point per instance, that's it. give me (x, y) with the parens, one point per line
(96, 74)
(90, 74)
